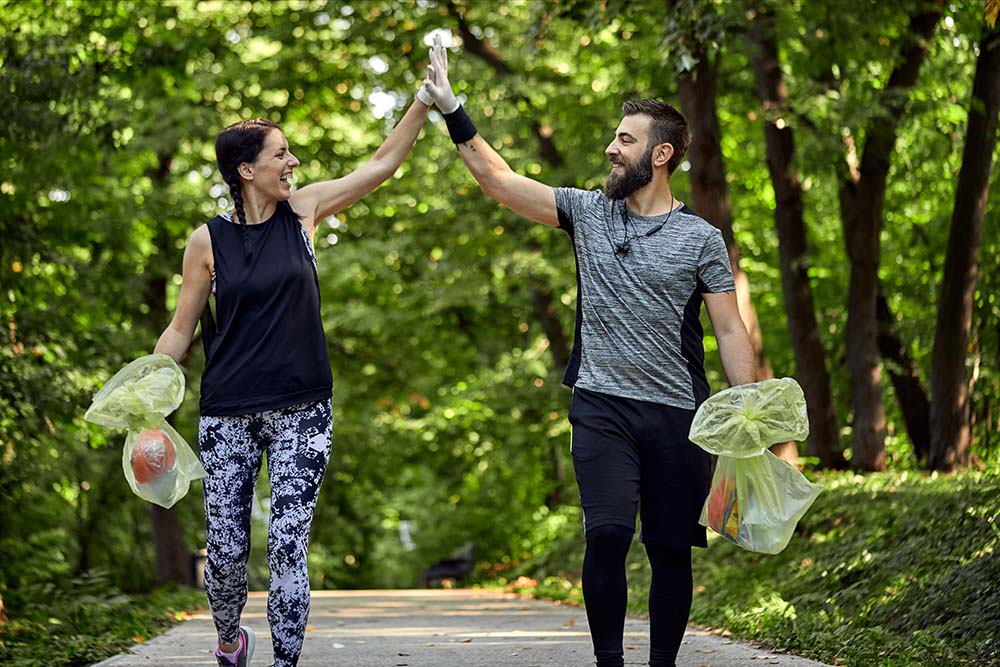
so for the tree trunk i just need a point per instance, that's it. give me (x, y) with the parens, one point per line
(543, 304)
(91, 509)
(905, 376)
(171, 555)
(810, 359)
(949, 410)
(545, 313)
(170, 551)
(862, 203)
(696, 91)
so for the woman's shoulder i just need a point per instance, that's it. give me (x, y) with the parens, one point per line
(288, 211)
(201, 240)
(224, 218)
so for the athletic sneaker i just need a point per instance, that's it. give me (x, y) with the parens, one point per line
(243, 654)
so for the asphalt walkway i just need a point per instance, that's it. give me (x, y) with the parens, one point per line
(438, 628)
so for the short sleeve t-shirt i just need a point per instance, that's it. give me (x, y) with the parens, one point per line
(638, 333)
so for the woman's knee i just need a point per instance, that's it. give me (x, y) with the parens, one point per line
(221, 566)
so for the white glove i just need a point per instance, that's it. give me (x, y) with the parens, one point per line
(424, 95)
(436, 83)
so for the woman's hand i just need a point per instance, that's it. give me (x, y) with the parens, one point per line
(437, 83)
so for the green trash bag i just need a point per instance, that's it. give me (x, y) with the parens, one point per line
(159, 465)
(756, 499)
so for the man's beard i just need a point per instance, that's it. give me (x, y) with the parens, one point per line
(637, 174)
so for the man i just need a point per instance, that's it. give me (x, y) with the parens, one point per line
(645, 264)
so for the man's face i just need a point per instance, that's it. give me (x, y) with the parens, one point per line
(631, 157)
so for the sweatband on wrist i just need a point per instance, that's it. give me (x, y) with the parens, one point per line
(454, 105)
(460, 126)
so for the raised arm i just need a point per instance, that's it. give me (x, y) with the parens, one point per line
(318, 200)
(535, 201)
(195, 288)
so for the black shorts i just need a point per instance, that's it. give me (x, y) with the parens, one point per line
(631, 454)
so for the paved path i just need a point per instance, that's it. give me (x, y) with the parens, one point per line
(434, 628)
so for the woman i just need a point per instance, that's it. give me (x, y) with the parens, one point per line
(266, 386)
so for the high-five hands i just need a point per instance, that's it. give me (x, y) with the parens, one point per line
(436, 83)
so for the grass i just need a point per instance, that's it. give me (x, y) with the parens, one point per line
(886, 570)
(88, 621)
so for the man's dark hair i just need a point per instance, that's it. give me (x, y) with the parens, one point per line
(667, 127)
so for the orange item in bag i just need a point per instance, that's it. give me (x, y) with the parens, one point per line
(724, 507)
(153, 455)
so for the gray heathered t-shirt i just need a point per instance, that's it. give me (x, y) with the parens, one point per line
(637, 328)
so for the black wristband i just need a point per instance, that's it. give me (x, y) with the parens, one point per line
(460, 126)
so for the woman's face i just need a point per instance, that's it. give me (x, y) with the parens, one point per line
(272, 170)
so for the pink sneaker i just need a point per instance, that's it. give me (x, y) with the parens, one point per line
(243, 654)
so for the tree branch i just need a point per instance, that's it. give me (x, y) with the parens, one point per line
(489, 55)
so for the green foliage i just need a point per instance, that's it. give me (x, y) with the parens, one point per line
(891, 565)
(88, 620)
(889, 570)
(447, 406)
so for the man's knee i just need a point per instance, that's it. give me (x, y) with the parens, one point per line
(610, 536)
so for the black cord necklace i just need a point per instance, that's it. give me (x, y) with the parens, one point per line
(622, 248)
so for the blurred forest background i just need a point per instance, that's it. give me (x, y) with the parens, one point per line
(845, 149)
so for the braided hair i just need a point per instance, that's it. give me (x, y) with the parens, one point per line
(241, 142)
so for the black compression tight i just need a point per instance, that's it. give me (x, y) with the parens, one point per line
(669, 602)
(605, 593)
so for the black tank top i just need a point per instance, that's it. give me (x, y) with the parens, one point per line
(264, 346)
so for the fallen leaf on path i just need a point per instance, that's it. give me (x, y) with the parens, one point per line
(570, 623)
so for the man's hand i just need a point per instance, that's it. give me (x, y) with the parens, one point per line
(437, 83)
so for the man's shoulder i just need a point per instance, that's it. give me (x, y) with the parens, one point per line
(580, 197)
(695, 223)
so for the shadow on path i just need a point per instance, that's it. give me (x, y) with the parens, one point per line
(435, 628)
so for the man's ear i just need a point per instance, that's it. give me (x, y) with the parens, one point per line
(662, 154)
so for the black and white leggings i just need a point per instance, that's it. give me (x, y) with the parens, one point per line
(297, 440)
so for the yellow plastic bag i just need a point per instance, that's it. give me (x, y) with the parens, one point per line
(158, 464)
(744, 420)
(139, 395)
(756, 499)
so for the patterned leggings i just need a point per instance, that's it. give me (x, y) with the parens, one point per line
(297, 440)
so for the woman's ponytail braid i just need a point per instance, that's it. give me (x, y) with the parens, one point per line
(236, 192)
(241, 142)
